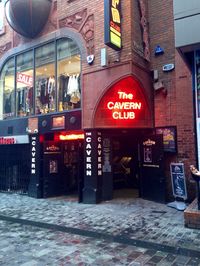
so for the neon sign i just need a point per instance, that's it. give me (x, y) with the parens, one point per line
(71, 137)
(124, 107)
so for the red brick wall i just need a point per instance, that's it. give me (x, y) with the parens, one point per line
(175, 107)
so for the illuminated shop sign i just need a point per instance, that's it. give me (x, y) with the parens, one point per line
(71, 137)
(124, 106)
(112, 23)
(25, 79)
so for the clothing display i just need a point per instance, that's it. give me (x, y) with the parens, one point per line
(69, 90)
(25, 101)
(45, 93)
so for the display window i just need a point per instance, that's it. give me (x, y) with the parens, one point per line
(43, 80)
(68, 69)
(24, 84)
(7, 90)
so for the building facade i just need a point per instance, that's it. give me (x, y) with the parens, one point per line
(95, 97)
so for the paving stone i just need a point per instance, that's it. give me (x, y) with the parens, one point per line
(134, 219)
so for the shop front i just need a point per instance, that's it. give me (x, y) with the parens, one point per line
(40, 87)
(123, 151)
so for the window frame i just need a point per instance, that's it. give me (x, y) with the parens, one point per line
(33, 48)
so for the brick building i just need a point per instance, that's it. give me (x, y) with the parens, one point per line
(94, 98)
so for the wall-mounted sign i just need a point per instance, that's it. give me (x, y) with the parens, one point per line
(58, 122)
(52, 147)
(25, 79)
(169, 138)
(168, 67)
(112, 23)
(9, 140)
(21, 139)
(124, 105)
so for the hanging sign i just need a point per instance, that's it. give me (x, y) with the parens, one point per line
(112, 24)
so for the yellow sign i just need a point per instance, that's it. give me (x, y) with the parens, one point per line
(113, 23)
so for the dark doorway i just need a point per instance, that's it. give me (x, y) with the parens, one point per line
(63, 169)
(125, 164)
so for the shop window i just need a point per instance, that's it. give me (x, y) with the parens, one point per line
(45, 86)
(45, 79)
(68, 69)
(7, 91)
(24, 81)
(1, 15)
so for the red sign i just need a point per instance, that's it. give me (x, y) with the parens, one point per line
(7, 140)
(124, 105)
(25, 79)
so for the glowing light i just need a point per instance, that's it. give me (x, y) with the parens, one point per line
(123, 108)
(71, 137)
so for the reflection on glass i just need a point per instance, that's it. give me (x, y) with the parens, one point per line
(68, 71)
(7, 99)
(24, 81)
(41, 89)
(45, 87)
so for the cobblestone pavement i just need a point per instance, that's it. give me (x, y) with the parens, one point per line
(59, 231)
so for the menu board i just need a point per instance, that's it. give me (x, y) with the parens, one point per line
(178, 180)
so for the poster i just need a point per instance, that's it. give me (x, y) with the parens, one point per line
(169, 138)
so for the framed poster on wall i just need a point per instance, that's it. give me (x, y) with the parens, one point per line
(169, 138)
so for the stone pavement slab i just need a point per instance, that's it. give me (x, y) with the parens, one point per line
(32, 246)
(132, 220)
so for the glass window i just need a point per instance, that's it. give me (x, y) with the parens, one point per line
(45, 87)
(49, 87)
(24, 81)
(1, 14)
(7, 91)
(68, 71)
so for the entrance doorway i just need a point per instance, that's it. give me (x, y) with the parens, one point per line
(138, 165)
(63, 169)
(125, 165)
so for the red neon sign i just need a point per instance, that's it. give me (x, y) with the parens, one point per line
(123, 105)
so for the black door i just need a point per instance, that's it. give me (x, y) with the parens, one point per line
(152, 180)
(52, 178)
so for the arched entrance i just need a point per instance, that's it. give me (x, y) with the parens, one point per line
(113, 148)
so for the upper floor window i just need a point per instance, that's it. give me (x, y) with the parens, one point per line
(1, 14)
(42, 80)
